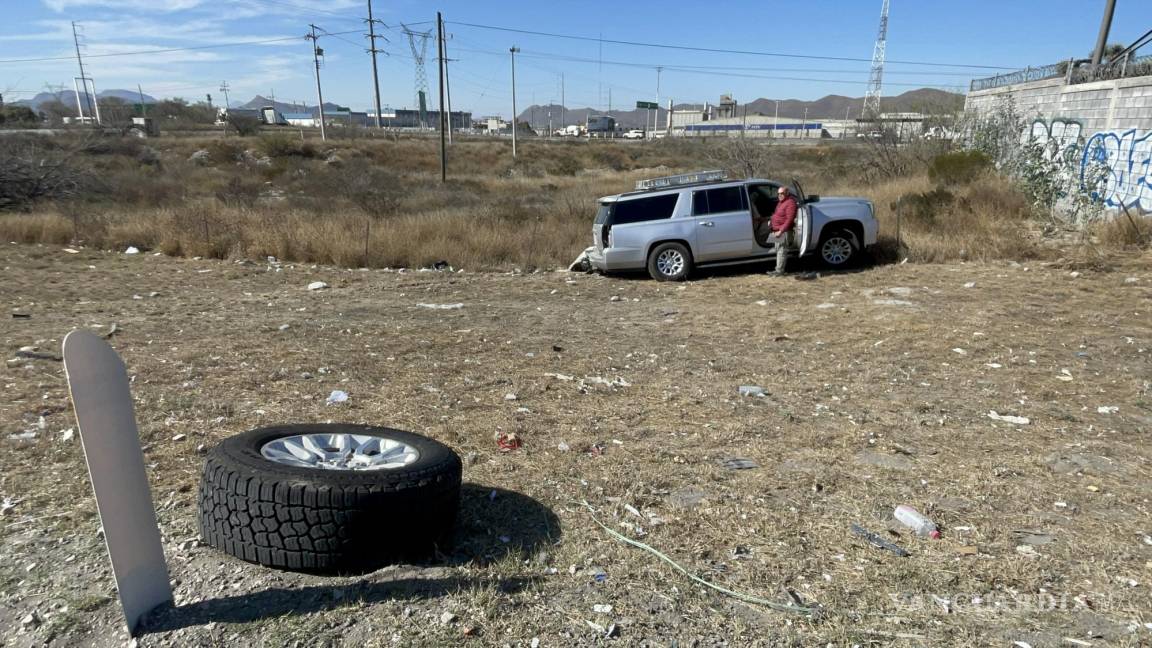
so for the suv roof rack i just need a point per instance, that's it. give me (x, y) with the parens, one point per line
(666, 182)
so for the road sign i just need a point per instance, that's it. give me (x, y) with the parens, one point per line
(646, 105)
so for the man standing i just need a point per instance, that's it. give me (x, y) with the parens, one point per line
(782, 221)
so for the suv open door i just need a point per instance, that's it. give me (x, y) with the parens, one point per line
(803, 225)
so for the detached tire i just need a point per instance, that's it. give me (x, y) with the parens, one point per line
(329, 498)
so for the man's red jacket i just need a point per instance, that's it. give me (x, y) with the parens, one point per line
(785, 214)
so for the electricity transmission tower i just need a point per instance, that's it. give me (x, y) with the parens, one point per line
(419, 53)
(871, 109)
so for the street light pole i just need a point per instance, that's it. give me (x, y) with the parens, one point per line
(776, 119)
(513, 51)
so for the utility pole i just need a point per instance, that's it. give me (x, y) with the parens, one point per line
(224, 89)
(513, 51)
(776, 120)
(656, 118)
(447, 86)
(143, 106)
(1101, 41)
(372, 49)
(804, 131)
(443, 134)
(83, 78)
(317, 52)
(563, 104)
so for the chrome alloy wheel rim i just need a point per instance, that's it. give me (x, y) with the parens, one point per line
(836, 250)
(670, 263)
(340, 452)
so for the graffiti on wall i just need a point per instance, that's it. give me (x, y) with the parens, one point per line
(1113, 167)
(1058, 138)
(1123, 161)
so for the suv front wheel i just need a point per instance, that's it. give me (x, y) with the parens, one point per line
(670, 262)
(838, 249)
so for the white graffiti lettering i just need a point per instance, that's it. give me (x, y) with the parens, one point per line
(1060, 138)
(1123, 162)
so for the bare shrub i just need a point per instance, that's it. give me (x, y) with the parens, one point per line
(244, 125)
(742, 157)
(32, 171)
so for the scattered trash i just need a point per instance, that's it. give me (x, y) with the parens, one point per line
(560, 376)
(1107, 409)
(960, 351)
(68, 435)
(752, 390)
(511, 397)
(599, 380)
(876, 541)
(442, 265)
(557, 348)
(1029, 537)
(179, 437)
(1018, 420)
(1026, 550)
(32, 620)
(7, 504)
(283, 327)
(970, 284)
(132, 250)
(337, 396)
(21, 316)
(32, 354)
(71, 251)
(1074, 274)
(602, 609)
(563, 447)
(892, 302)
(1131, 280)
(447, 618)
(317, 285)
(23, 436)
(442, 306)
(916, 521)
(508, 441)
(739, 463)
(599, 576)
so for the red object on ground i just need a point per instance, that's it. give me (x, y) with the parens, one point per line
(507, 441)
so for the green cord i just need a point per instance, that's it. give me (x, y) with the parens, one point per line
(747, 598)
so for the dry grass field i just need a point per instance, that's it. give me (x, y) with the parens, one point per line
(879, 384)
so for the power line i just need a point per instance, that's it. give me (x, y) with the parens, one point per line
(718, 50)
(173, 49)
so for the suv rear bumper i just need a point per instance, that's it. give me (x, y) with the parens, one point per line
(615, 259)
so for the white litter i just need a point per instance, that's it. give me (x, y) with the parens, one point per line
(560, 376)
(1107, 409)
(317, 285)
(132, 250)
(960, 351)
(68, 435)
(602, 609)
(993, 365)
(71, 251)
(442, 306)
(970, 284)
(337, 396)
(1007, 418)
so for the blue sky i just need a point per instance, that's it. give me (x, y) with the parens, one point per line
(1006, 33)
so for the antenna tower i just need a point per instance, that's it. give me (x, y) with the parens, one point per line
(419, 52)
(871, 108)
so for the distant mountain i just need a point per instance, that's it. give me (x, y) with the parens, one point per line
(829, 107)
(68, 97)
(260, 101)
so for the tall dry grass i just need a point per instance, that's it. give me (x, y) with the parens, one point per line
(379, 202)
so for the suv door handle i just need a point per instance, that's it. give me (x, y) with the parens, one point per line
(707, 224)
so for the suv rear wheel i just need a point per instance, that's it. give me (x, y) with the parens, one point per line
(838, 249)
(670, 262)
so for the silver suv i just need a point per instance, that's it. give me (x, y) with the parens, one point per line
(673, 224)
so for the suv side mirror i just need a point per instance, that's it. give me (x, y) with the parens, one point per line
(812, 198)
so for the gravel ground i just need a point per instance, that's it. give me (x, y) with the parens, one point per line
(878, 390)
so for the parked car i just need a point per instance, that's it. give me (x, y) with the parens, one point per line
(635, 133)
(674, 224)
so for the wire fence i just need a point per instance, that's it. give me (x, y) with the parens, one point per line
(1073, 72)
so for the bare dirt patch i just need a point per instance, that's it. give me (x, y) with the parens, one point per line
(879, 385)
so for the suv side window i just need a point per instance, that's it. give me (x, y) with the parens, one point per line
(644, 209)
(719, 201)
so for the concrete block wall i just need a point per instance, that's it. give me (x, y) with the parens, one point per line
(1106, 126)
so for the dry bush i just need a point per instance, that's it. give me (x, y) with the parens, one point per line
(48, 228)
(1125, 232)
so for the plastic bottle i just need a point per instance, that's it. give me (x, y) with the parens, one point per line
(915, 520)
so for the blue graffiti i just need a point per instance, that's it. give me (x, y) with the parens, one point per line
(1117, 169)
